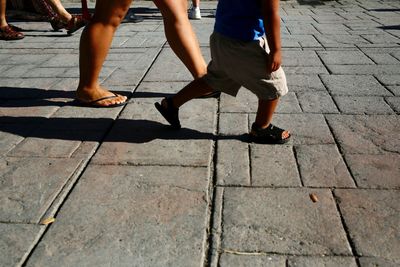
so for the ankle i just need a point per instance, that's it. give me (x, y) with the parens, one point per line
(260, 125)
(168, 102)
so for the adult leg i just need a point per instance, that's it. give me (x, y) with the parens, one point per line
(94, 45)
(180, 35)
(3, 22)
(7, 32)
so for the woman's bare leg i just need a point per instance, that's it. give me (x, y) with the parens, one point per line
(3, 22)
(94, 46)
(180, 35)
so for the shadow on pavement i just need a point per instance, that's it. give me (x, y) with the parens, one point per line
(313, 2)
(31, 97)
(390, 27)
(87, 129)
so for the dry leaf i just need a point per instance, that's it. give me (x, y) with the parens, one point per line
(314, 198)
(47, 221)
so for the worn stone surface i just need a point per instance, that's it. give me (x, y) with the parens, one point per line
(305, 128)
(136, 140)
(319, 261)
(143, 219)
(261, 220)
(233, 165)
(16, 241)
(317, 102)
(363, 105)
(322, 165)
(306, 82)
(30, 185)
(364, 69)
(394, 103)
(233, 124)
(228, 259)
(372, 221)
(358, 134)
(273, 166)
(344, 57)
(352, 85)
(375, 171)
(374, 262)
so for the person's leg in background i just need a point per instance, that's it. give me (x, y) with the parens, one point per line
(194, 11)
(180, 35)
(7, 31)
(63, 19)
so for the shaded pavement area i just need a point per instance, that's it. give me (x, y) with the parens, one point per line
(126, 190)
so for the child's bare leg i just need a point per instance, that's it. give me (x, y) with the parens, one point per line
(94, 45)
(265, 111)
(194, 89)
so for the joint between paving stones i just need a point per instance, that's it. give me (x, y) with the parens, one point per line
(341, 152)
(298, 166)
(212, 199)
(345, 227)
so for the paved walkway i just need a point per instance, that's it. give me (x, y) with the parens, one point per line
(125, 190)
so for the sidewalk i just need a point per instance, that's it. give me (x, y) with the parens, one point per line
(125, 190)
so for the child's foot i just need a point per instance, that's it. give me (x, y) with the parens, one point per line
(269, 135)
(169, 112)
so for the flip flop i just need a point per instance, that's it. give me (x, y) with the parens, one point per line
(92, 104)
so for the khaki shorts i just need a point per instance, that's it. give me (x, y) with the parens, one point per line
(235, 63)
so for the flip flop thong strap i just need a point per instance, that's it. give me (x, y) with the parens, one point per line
(102, 98)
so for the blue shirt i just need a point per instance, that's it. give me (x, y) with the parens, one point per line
(239, 19)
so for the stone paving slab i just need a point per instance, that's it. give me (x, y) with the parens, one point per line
(307, 129)
(394, 103)
(363, 105)
(176, 72)
(247, 102)
(316, 102)
(233, 164)
(364, 69)
(323, 166)
(359, 134)
(273, 166)
(11, 135)
(16, 241)
(375, 171)
(261, 220)
(141, 133)
(29, 185)
(228, 259)
(356, 85)
(372, 262)
(372, 220)
(344, 57)
(322, 261)
(168, 232)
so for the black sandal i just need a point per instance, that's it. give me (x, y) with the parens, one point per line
(269, 135)
(170, 113)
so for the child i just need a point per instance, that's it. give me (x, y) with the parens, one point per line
(245, 51)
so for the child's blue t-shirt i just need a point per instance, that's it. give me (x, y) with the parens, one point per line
(239, 19)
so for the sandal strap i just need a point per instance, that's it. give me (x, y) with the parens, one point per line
(272, 132)
(9, 34)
